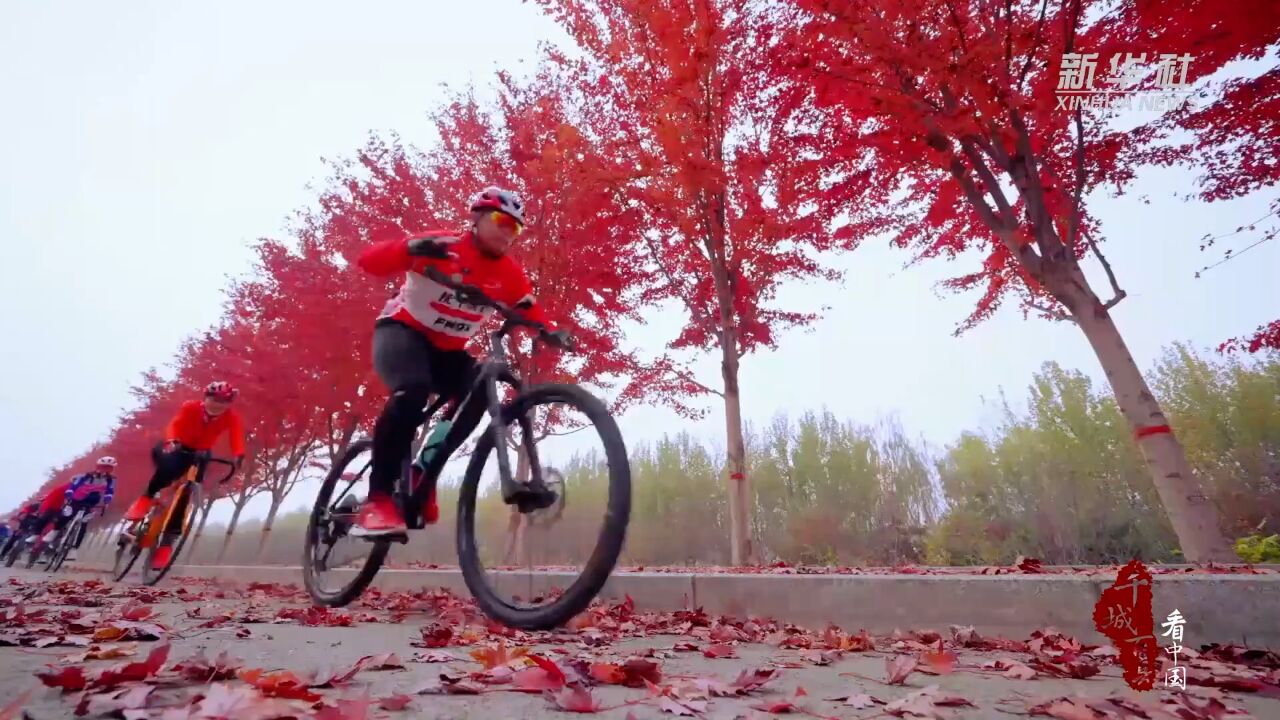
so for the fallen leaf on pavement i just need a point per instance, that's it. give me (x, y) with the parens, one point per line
(434, 656)
(95, 652)
(924, 703)
(435, 635)
(749, 680)
(939, 662)
(281, 683)
(860, 701)
(134, 671)
(545, 675)
(574, 699)
(683, 708)
(1078, 669)
(1066, 709)
(346, 709)
(635, 672)
(492, 657)
(199, 669)
(136, 611)
(898, 669)
(69, 679)
(1011, 669)
(389, 661)
(395, 702)
(129, 698)
(1186, 706)
(719, 652)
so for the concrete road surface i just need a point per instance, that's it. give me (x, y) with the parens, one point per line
(257, 636)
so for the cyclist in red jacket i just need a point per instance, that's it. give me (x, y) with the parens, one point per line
(197, 426)
(420, 337)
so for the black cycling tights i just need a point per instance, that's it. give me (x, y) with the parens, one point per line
(412, 369)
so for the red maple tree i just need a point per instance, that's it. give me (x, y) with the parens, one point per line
(674, 92)
(940, 124)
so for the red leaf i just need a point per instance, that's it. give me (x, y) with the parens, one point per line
(749, 680)
(719, 651)
(347, 709)
(282, 684)
(136, 611)
(940, 662)
(435, 635)
(574, 699)
(134, 671)
(775, 708)
(545, 676)
(69, 679)
(199, 669)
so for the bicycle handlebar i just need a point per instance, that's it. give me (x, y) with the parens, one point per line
(206, 457)
(472, 295)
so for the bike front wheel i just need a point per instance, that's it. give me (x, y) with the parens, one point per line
(61, 546)
(533, 407)
(155, 565)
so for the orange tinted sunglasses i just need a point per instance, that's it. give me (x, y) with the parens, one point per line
(506, 222)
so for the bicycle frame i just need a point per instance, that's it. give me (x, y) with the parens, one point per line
(482, 397)
(194, 475)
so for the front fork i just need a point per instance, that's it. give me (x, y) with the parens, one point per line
(530, 495)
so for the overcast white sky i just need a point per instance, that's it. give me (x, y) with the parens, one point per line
(145, 145)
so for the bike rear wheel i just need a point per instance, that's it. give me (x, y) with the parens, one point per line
(612, 533)
(15, 551)
(37, 548)
(331, 518)
(61, 546)
(153, 573)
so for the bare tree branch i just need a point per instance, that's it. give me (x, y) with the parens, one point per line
(1035, 45)
(1052, 312)
(1073, 218)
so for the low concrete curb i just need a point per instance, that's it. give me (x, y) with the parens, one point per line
(1219, 608)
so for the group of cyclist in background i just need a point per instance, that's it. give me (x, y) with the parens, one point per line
(418, 349)
(197, 426)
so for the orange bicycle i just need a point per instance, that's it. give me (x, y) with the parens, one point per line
(167, 525)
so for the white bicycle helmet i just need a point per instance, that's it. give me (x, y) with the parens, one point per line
(106, 461)
(495, 198)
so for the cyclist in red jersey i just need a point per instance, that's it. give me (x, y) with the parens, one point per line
(197, 426)
(420, 337)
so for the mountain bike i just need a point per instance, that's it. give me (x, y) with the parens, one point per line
(17, 543)
(334, 513)
(166, 525)
(65, 540)
(10, 550)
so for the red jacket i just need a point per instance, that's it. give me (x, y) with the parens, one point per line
(431, 308)
(196, 429)
(55, 498)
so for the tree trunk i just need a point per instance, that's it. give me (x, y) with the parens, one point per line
(1191, 511)
(266, 524)
(207, 505)
(231, 528)
(518, 522)
(741, 551)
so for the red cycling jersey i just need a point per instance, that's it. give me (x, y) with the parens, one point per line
(55, 498)
(433, 309)
(195, 428)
